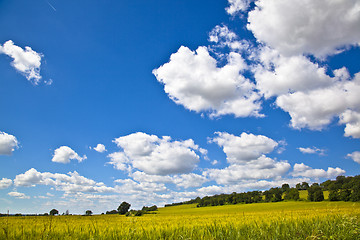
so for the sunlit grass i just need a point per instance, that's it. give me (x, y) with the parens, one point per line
(282, 220)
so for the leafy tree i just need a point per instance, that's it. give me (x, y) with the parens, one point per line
(112, 212)
(123, 208)
(304, 186)
(277, 194)
(54, 212)
(315, 193)
(88, 212)
(345, 195)
(285, 187)
(292, 194)
(334, 195)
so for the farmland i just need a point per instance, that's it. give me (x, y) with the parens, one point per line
(280, 220)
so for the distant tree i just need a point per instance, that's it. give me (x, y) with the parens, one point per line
(112, 212)
(67, 212)
(304, 186)
(315, 193)
(285, 187)
(277, 194)
(355, 187)
(88, 213)
(268, 195)
(54, 212)
(334, 195)
(345, 195)
(124, 208)
(292, 194)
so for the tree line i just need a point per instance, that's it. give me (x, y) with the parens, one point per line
(341, 189)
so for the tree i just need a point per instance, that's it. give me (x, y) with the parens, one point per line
(315, 193)
(123, 208)
(285, 187)
(292, 194)
(88, 212)
(54, 212)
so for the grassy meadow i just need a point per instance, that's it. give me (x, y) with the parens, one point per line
(281, 220)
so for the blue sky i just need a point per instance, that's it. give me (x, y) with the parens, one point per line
(154, 102)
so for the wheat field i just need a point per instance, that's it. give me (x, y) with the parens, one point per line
(282, 220)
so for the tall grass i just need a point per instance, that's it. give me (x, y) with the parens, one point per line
(286, 220)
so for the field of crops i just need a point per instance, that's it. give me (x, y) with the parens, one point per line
(282, 220)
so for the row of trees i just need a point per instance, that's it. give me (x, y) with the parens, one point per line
(341, 189)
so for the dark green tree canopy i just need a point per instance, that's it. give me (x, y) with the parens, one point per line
(54, 212)
(124, 208)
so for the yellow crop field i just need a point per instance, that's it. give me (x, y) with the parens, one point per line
(282, 220)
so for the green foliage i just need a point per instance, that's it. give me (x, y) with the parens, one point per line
(123, 208)
(292, 194)
(54, 212)
(315, 193)
(150, 209)
(88, 213)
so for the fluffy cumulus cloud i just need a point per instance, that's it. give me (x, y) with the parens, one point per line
(70, 183)
(261, 168)
(244, 148)
(5, 183)
(18, 195)
(318, 27)
(223, 37)
(154, 155)
(194, 80)
(26, 61)
(278, 75)
(302, 170)
(312, 150)
(236, 6)
(64, 154)
(247, 160)
(8, 143)
(316, 108)
(355, 156)
(303, 88)
(100, 148)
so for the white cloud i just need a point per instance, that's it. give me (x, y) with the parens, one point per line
(237, 6)
(312, 150)
(281, 75)
(319, 27)
(352, 121)
(64, 154)
(189, 180)
(8, 143)
(25, 61)
(18, 195)
(244, 148)
(316, 108)
(154, 155)
(5, 183)
(194, 80)
(181, 180)
(100, 148)
(246, 156)
(354, 156)
(69, 183)
(261, 168)
(223, 37)
(132, 187)
(306, 171)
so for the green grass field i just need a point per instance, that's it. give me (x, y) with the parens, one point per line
(282, 220)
